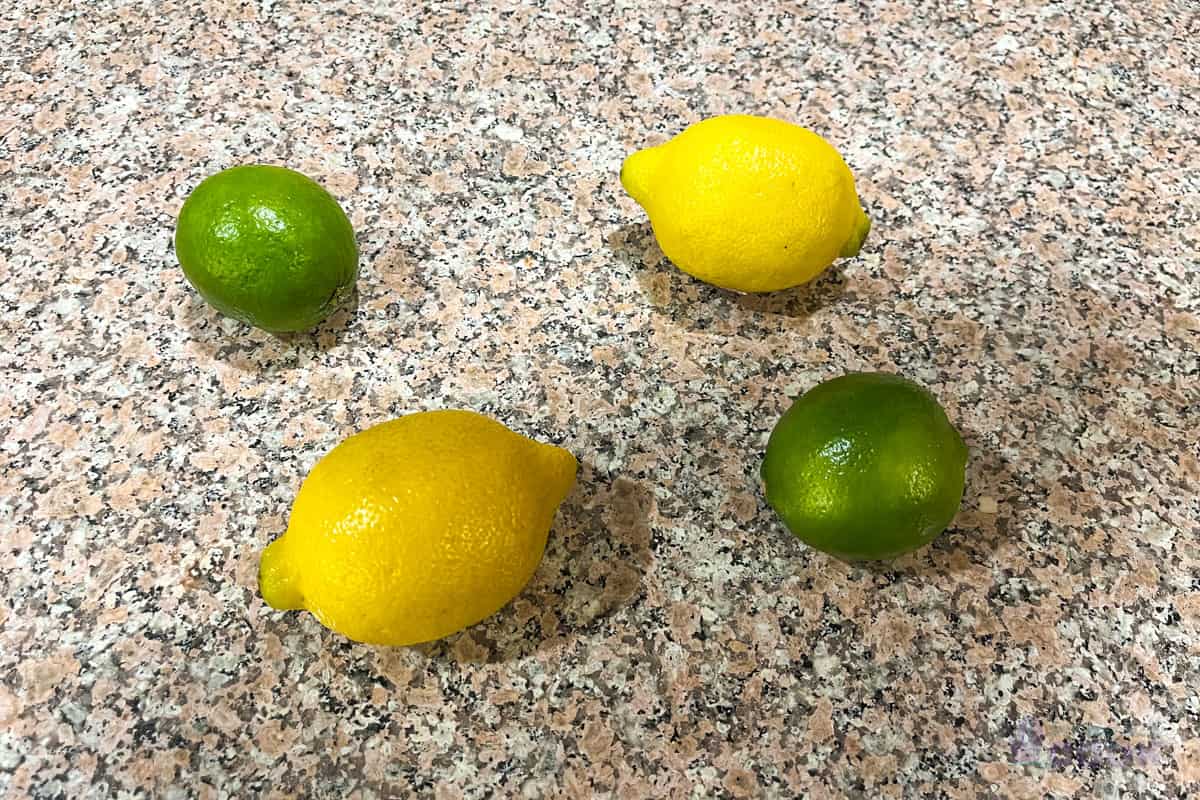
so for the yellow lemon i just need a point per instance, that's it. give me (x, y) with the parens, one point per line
(417, 527)
(748, 203)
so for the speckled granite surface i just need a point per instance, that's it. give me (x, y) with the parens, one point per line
(1032, 174)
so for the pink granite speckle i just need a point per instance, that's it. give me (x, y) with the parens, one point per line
(1031, 170)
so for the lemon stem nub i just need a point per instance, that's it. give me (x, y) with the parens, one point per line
(862, 226)
(637, 173)
(277, 580)
(560, 468)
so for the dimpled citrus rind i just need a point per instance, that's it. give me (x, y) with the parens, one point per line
(748, 203)
(865, 466)
(418, 527)
(267, 246)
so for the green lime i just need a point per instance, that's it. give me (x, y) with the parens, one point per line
(865, 466)
(267, 246)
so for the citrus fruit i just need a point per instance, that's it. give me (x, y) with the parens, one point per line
(748, 203)
(418, 527)
(267, 246)
(865, 466)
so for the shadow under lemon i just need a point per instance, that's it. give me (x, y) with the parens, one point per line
(697, 305)
(597, 555)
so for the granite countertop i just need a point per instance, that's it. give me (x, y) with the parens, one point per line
(1031, 170)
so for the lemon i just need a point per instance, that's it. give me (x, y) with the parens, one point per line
(865, 466)
(418, 527)
(748, 203)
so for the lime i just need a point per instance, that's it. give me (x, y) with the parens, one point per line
(268, 246)
(865, 466)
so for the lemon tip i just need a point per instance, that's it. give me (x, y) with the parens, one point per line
(277, 581)
(636, 173)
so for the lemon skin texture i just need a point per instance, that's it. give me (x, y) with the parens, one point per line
(865, 466)
(748, 203)
(267, 246)
(418, 527)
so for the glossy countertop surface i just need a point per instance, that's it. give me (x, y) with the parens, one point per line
(1031, 172)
